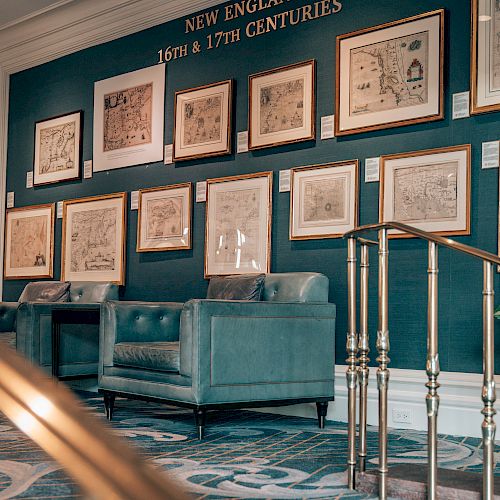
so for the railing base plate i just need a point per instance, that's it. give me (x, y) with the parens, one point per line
(409, 482)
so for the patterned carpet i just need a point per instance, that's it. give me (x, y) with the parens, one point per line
(244, 454)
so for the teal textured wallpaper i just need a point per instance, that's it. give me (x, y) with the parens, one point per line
(67, 84)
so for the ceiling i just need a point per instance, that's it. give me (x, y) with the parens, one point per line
(15, 11)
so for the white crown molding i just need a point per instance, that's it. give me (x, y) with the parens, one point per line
(80, 24)
(39, 12)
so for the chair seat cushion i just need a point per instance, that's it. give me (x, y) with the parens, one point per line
(163, 356)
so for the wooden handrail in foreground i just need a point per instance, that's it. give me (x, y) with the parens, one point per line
(103, 465)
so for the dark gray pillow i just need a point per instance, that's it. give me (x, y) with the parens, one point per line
(238, 287)
(46, 291)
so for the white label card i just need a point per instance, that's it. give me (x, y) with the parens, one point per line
(327, 127)
(372, 169)
(60, 207)
(134, 200)
(284, 185)
(461, 105)
(490, 154)
(29, 179)
(87, 169)
(10, 199)
(201, 191)
(242, 143)
(168, 157)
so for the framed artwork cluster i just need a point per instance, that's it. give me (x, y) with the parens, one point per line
(386, 76)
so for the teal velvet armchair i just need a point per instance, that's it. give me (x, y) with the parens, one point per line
(209, 354)
(62, 336)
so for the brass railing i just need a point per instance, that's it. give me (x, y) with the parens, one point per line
(357, 350)
(103, 465)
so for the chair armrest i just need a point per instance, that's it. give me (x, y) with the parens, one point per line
(237, 342)
(134, 321)
(35, 319)
(8, 312)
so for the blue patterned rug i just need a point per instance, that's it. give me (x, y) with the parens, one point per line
(244, 454)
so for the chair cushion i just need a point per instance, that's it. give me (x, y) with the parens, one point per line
(46, 291)
(238, 287)
(162, 356)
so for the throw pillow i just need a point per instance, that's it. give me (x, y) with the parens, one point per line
(238, 287)
(46, 291)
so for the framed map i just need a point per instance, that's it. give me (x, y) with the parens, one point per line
(324, 200)
(427, 189)
(390, 75)
(164, 218)
(238, 224)
(203, 121)
(282, 105)
(128, 119)
(93, 242)
(58, 149)
(29, 242)
(485, 50)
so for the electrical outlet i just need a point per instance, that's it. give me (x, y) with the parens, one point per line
(402, 416)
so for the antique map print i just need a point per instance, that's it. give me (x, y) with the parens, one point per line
(93, 240)
(323, 200)
(389, 75)
(57, 148)
(426, 192)
(28, 243)
(495, 46)
(282, 106)
(202, 120)
(164, 218)
(128, 117)
(237, 227)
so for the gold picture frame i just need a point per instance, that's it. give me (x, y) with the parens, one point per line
(238, 224)
(58, 148)
(324, 200)
(379, 87)
(202, 121)
(29, 242)
(93, 239)
(164, 218)
(428, 189)
(485, 55)
(289, 91)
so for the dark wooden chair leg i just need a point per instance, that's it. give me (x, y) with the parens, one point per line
(199, 416)
(322, 408)
(109, 403)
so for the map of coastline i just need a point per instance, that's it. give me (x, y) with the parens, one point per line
(202, 120)
(57, 148)
(495, 46)
(128, 117)
(388, 75)
(426, 192)
(324, 200)
(282, 106)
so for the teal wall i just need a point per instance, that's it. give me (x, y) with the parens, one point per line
(66, 84)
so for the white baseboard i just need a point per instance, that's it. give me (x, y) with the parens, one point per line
(459, 409)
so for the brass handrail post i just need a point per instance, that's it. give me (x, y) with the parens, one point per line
(383, 360)
(488, 394)
(363, 349)
(351, 373)
(432, 369)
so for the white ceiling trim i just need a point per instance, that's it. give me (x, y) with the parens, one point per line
(36, 13)
(76, 25)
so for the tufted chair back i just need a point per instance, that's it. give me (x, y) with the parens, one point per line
(295, 287)
(90, 291)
